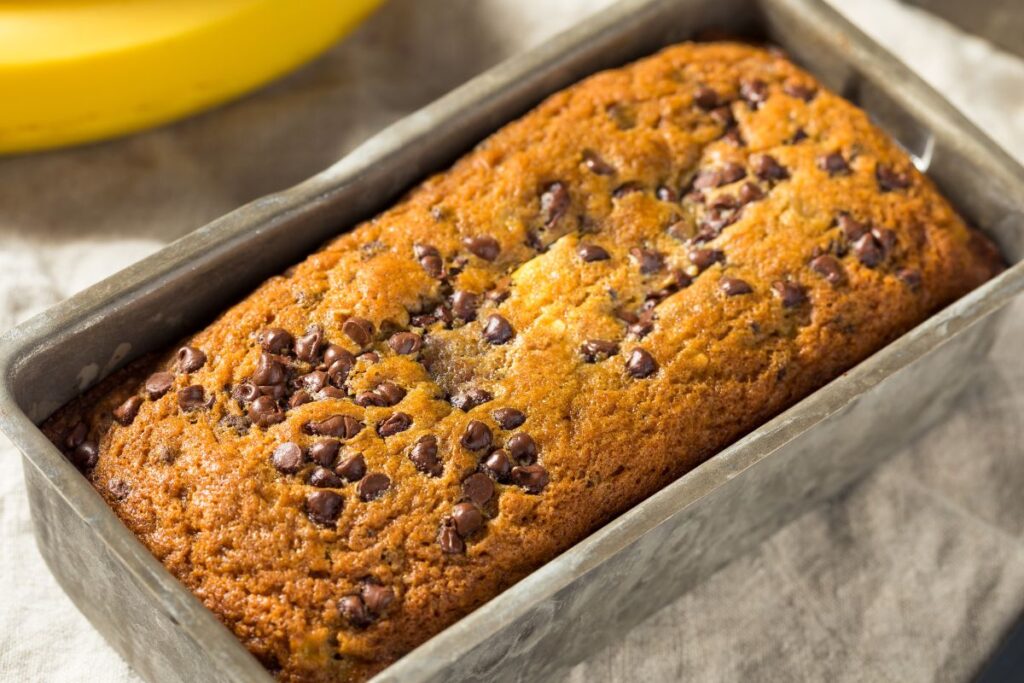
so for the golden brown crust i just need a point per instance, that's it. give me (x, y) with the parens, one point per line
(635, 161)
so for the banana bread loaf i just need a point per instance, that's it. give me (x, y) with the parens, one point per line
(597, 298)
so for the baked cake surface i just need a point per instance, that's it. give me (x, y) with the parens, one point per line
(597, 298)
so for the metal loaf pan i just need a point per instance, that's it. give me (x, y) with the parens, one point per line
(640, 561)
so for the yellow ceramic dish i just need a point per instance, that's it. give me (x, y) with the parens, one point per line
(78, 70)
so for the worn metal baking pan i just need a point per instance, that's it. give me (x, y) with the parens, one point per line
(1001, 21)
(635, 564)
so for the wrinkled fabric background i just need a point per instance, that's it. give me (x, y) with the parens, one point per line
(911, 576)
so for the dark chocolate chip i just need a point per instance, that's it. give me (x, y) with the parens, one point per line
(299, 398)
(359, 330)
(707, 179)
(554, 202)
(405, 343)
(268, 371)
(371, 357)
(467, 519)
(337, 372)
(508, 418)
(724, 201)
(766, 167)
(732, 172)
(886, 239)
(890, 179)
(626, 315)
(594, 350)
(666, 194)
(246, 392)
(705, 258)
(324, 452)
(323, 478)
(314, 381)
(190, 359)
(377, 598)
(192, 398)
(531, 478)
(750, 192)
(276, 340)
(264, 411)
(424, 456)
(373, 486)
(126, 412)
(390, 393)
(352, 467)
(365, 399)
(798, 90)
(852, 228)
(733, 286)
(497, 296)
(464, 305)
(829, 268)
(595, 164)
(335, 353)
(76, 435)
(649, 260)
(522, 448)
(790, 293)
(497, 330)
(307, 347)
(640, 363)
(910, 277)
(274, 391)
(393, 424)
(482, 246)
(833, 164)
(479, 488)
(324, 507)
(477, 436)
(449, 540)
(353, 610)
(471, 398)
(628, 187)
(706, 98)
(754, 92)
(85, 455)
(868, 250)
(341, 426)
(158, 384)
(430, 260)
(592, 252)
(498, 465)
(723, 117)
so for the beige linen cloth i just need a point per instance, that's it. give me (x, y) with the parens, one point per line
(911, 576)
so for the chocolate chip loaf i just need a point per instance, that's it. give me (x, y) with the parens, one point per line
(597, 298)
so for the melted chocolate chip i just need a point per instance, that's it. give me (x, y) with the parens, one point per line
(276, 340)
(640, 363)
(706, 98)
(300, 397)
(522, 448)
(377, 598)
(890, 179)
(307, 347)
(464, 305)
(324, 452)
(508, 418)
(497, 330)
(351, 467)
(365, 399)
(268, 371)
(705, 258)
(649, 260)
(733, 286)
(76, 435)
(834, 164)
(126, 412)
(766, 167)
(482, 246)
(498, 465)
(429, 259)
(85, 455)
(324, 507)
(192, 398)
(868, 251)
(314, 381)
(798, 90)
(750, 192)
(246, 392)
(554, 202)
(353, 610)
(531, 478)
(390, 393)
(190, 359)
(852, 229)
(158, 384)
(264, 411)
(323, 478)
(341, 426)
(595, 164)
(335, 353)
(471, 398)
(666, 194)
(478, 488)
(790, 293)
(594, 350)
(723, 117)
(424, 456)
(909, 277)
(467, 519)
(359, 330)
(628, 187)
(373, 486)
(477, 436)
(754, 92)
(798, 136)
(338, 371)
(393, 424)
(405, 343)
(592, 252)
(886, 239)
(449, 539)
(829, 268)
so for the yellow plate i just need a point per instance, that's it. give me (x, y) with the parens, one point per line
(78, 70)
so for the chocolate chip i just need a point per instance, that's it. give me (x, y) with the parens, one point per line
(750, 192)
(479, 488)
(275, 391)
(276, 340)
(766, 167)
(190, 359)
(666, 194)
(497, 296)
(508, 418)
(641, 329)
(464, 305)
(594, 350)
(909, 277)
(886, 239)
(299, 398)
(798, 136)
(264, 411)
(373, 486)
(852, 228)
(649, 260)
(522, 448)
(314, 381)
(833, 164)
(353, 610)
(471, 398)
(723, 117)
(158, 384)
(335, 353)
(351, 467)
(429, 259)
(76, 435)
(595, 164)
(790, 293)
(531, 478)
(467, 519)
(731, 172)
(424, 456)
(85, 455)
(192, 398)
(628, 187)
(393, 424)
(477, 436)
(342, 426)
(724, 201)
(734, 137)
(754, 92)
(640, 363)
(705, 258)
(483, 246)
(449, 540)
(338, 371)
(554, 202)
(829, 268)
(798, 90)
(126, 412)
(307, 347)
(733, 286)
(868, 250)
(287, 457)
(371, 357)
(708, 179)
(324, 507)
(497, 330)
(705, 98)
(890, 179)
(498, 465)
(324, 452)
(626, 315)
(246, 392)
(405, 343)
(359, 330)
(365, 399)
(377, 598)
(268, 371)
(390, 393)
(592, 252)
(323, 478)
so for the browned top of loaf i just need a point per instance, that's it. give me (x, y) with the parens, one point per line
(818, 254)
